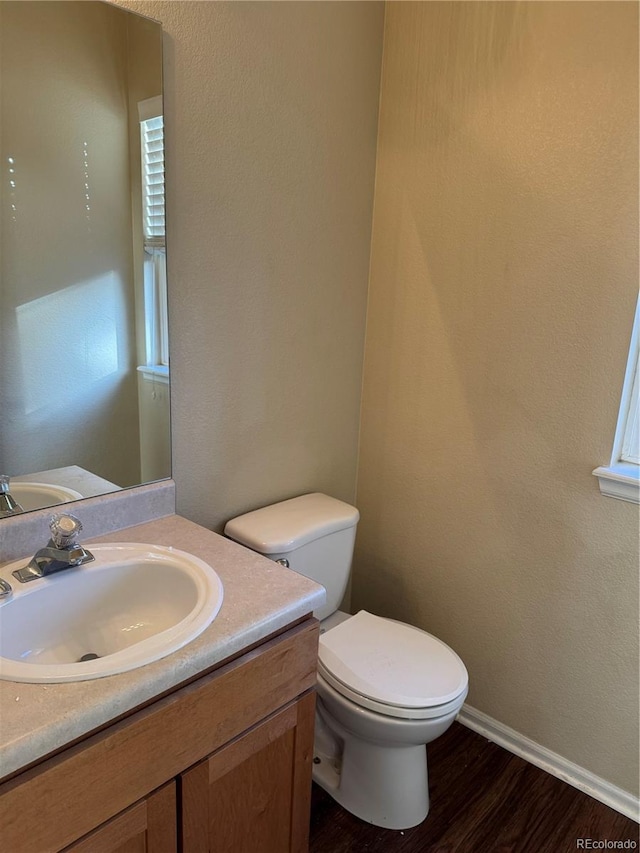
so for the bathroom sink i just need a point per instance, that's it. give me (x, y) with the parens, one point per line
(132, 605)
(40, 495)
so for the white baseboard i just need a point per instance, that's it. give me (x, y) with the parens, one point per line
(573, 774)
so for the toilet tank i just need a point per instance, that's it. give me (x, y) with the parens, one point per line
(314, 533)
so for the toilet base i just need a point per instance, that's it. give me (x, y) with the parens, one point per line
(385, 786)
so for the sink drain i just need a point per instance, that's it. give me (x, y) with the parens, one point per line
(89, 656)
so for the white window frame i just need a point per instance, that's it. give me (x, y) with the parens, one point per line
(621, 478)
(156, 323)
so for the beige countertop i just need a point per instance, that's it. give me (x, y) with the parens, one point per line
(260, 598)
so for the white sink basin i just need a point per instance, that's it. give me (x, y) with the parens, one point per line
(40, 495)
(132, 605)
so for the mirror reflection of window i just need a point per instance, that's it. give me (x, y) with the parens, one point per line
(153, 229)
(153, 388)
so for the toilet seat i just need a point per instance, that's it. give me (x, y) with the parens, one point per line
(392, 668)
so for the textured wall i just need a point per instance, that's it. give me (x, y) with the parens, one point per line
(503, 284)
(271, 132)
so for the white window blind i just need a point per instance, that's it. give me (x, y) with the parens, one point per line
(152, 148)
(153, 228)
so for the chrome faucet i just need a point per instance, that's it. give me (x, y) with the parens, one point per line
(8, 504)
(62, 551)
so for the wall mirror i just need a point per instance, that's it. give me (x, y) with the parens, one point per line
(84, 376)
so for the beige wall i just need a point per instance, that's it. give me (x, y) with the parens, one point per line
(503, 279)
(154, 402)
(68, 389)
(271, 115)
(503, 284)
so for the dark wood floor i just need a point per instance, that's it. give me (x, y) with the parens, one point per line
(483, 800)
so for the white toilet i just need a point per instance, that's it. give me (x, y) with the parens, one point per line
(385, 689)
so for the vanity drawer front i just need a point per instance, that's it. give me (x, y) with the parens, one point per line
(62, 799)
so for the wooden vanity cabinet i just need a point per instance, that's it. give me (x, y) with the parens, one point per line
(149, 826)
(222, 764)
(254, 795)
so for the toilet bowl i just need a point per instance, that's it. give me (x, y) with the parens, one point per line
(385, 689)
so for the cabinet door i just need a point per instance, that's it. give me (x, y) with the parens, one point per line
(254, 795)
(149, 826)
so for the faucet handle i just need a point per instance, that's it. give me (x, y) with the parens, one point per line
(8, 504)
(64, 530)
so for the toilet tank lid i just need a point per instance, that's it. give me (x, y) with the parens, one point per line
(282, 527)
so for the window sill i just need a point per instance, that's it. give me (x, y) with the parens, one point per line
(155, 373)
(621, 481)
